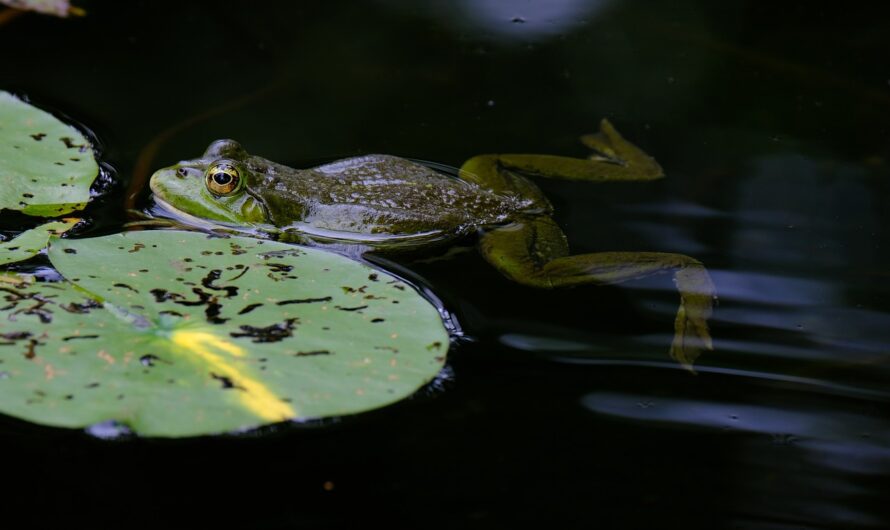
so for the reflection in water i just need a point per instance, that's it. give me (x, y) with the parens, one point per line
(524, 20)
(804, 464)
(529, 19)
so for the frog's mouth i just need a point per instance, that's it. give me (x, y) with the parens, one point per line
(167, 211)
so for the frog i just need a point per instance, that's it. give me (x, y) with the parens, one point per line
(384, 203)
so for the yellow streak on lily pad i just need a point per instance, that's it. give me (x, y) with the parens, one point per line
(254, 395)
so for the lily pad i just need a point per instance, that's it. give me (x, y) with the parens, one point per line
(206, 335)
(30, 242)
(46, 166)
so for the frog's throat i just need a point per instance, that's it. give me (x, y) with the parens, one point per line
(198, 222)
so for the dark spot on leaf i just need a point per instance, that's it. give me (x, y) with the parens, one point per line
(351, 290)
(28, 195)
(125, 286)
(73, 337)
(434, 346)
(14, 336)
(377, 320)
(70, 251)
(149, 359)
(279, 267)
(372, 277)
(58, 163)
(356, 308)
(214, 275)
(162, 295)
(273, 333)
(310, 353)
(93, 385)
(387, 348)
(81, 308)
(38, 136)
(69, 397)
(213, 310)
(69, 143)
(137, 247)
(143, 270)
(240, 274)
(74, 159)
(249, 308)
(305, 300)
(227, 382)
(169, 312)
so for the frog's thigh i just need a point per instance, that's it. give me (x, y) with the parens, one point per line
(535, 253)
(487, 172)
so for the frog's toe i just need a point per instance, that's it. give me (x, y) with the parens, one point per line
(691, 335)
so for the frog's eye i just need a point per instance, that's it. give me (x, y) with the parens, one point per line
(222, 178)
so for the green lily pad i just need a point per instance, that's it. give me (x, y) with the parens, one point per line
(30, 242)
(46, 166)
(206, 335)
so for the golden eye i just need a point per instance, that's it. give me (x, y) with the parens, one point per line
(223, 178)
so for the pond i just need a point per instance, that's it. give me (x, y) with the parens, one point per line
(555, 407)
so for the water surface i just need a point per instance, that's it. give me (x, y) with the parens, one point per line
(770, 120)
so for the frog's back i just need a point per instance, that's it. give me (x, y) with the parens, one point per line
(378, 198)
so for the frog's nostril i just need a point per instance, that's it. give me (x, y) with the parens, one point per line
(182, 172)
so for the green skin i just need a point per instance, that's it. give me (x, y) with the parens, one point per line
(383, 202)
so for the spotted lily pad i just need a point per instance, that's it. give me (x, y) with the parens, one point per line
(46, 166)
(30, 242)
(204, 335)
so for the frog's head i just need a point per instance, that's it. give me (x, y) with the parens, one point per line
(215, 187)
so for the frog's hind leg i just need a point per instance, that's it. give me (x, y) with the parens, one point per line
(534, 252)
(614, 159)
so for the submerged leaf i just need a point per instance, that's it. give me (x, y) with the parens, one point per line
(59, 8)
(201, 336)
(46, 166)
(30, 242)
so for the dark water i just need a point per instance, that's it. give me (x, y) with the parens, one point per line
(771, 121)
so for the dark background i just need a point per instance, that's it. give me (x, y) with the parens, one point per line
(559, 408)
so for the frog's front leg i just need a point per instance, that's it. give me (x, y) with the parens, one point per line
(534, 252)
(614, 159)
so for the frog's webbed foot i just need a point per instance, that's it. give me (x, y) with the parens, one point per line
(534, 252)
(614, 159)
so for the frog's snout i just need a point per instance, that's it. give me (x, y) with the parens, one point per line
(158, 179)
